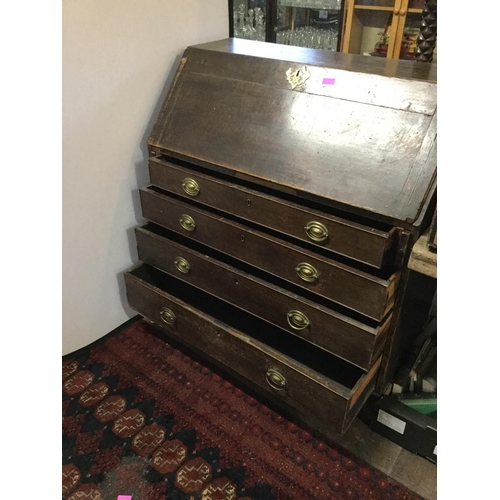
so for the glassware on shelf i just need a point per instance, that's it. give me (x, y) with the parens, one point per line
(303, 23)
(249, 24)
(312, 4)
(310, 37)
(260, 25)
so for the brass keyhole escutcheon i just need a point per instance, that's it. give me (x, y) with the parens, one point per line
(307, 272)
(297, 320)
(190, 186)
(167, 315)
(182, 265)
(316, 231)
(275, 379)
(187, 222)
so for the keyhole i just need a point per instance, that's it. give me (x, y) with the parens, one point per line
(236, 282)
(243, 238)
(248, 203)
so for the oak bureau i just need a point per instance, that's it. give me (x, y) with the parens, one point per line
(287, 187)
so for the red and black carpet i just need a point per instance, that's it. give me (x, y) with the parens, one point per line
(141, 418)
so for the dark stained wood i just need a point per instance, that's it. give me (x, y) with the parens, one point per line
(325, 58)
(337, 333)
(357, 241)
(401, 94)
(353, 146)
(306, 390)
(368, 141)
(357, 290)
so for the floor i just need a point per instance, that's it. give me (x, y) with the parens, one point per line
(416, 473)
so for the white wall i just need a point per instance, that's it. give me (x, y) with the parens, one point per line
(118, 58)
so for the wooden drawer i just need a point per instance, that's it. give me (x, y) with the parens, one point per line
(354, 240)
(348, 338)
(296, 375)
(365, 293)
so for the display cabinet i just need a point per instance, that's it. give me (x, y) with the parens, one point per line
(383, 28)
(303, 23)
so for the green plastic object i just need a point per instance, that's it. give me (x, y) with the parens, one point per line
(425, 406)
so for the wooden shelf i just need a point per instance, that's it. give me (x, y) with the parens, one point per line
(374, 7)
(422, 259)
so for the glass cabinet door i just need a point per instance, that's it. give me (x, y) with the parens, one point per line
(383, 28)
(303, 23)
(309, 23)
(370, 27)
(410, 18)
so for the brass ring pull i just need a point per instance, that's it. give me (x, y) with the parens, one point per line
(307, 272)
(182, 265)
(297, 320)
(167, 315)
(316, 231)
(275, 379)
(190, 186)
(187, 222)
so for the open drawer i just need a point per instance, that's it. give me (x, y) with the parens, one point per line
(300, 377)
(368, 244)
(357, 340)
(370, 294)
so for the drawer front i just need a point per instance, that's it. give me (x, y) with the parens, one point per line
(290, 384)
(341, 335)
(353, 240)
(359, 291)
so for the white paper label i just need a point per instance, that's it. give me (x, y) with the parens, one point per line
(323, 14)
(392, 422)
(435, 450)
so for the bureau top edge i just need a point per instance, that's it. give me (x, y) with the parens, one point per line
(397, 68)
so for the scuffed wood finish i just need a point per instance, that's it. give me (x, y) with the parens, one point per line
(357, 290)
(306, 390)
(325, 58)
(347, 338)
(357, 241)
(246, 161)
(368, 141)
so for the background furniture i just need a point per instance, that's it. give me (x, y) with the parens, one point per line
(385, 28)
(303, 23)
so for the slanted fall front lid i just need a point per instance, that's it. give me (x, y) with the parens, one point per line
(358, 130)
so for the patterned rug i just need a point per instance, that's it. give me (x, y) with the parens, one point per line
(142, 418)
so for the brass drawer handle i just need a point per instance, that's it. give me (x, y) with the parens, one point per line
(297, 320)
(187, 222)
(190, 186)
(275, 379)
(167, 315)
(307, 272)
(316, 231)
(182, 265)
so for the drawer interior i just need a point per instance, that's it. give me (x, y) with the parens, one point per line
(312, 357)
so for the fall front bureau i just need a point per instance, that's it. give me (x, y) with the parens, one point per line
(286, 189)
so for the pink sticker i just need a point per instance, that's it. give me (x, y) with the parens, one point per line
(328, 81)
(124, 497)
